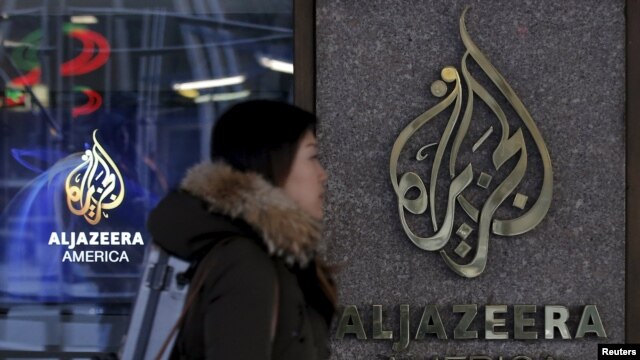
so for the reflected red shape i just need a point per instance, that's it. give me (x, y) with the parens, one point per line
(94, 102)
(31, 78)
(95, 53)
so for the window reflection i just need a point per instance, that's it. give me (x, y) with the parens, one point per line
(150, 77)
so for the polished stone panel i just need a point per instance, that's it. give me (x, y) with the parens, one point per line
(376, 63)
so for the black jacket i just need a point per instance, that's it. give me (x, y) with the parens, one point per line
(261, 297)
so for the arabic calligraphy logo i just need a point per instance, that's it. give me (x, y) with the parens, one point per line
(95, 185)
(510, 144)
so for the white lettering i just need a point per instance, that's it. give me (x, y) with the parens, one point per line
(113, 256)
(78, 256)
(137, 239)
(126, 238)
(90, 256)
(104, 238)
(115, 238)
(94, 238)
(54, 239)
(72, 241)
(63, 239)
(82, 239)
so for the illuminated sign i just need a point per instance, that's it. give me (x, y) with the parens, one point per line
(95, 185)
(511, 143)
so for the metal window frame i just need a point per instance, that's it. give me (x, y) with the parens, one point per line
(304, 57)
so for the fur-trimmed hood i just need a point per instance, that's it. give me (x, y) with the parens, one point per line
(218, 201)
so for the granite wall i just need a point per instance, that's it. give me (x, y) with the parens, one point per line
(376, 61)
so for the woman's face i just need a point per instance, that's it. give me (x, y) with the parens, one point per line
(306, 181)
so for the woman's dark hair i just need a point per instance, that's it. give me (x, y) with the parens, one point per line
(261, 136)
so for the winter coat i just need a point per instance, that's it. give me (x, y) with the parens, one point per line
(261, 297)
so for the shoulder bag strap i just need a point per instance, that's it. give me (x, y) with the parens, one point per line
(194, 289)
(196, 285)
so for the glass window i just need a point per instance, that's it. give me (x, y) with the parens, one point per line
(103, 105)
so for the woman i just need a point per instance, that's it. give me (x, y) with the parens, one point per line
(252, 214)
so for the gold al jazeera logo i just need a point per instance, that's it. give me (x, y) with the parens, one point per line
(92, 188)
(482, 220)
(95, 185)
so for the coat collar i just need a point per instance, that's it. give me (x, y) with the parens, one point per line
(286, 230)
